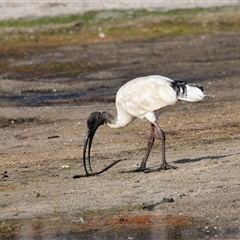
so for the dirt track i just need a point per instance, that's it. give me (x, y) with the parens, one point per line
(41, 146)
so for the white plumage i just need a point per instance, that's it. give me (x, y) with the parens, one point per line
(143, 98)
(147, 97)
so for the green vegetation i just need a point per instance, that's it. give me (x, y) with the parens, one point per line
(116, 25)
(96, 17)
(23, 37)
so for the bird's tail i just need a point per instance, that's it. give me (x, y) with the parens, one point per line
(188, 91)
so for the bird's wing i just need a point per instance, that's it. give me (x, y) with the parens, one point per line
(147, 94)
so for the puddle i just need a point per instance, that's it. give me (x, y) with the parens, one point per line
(138, 227)
(41, 99)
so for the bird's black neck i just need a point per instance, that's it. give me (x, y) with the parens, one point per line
(110, 119)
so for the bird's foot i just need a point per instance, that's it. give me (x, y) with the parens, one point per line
(148, 170)
(166, 167)
(162, 167)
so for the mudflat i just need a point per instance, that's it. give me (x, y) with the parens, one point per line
(43, 126)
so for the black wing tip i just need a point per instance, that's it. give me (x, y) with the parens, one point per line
(180, 87)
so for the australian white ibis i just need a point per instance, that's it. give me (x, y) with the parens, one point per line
(144, 98)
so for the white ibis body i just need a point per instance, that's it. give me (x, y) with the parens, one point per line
(143, 98)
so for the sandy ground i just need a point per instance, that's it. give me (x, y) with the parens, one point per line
(41, 146)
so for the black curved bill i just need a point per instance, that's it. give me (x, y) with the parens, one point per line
(87, 164)
(88, 143)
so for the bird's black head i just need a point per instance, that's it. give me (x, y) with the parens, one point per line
(95, 120)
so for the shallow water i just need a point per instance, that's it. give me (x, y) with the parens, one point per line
(42, 99)
(140, 227)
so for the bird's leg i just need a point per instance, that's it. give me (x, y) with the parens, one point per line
(164, 165)
(149, 147)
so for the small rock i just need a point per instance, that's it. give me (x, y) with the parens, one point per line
(181, 195)
(5, 174)
(21, 137)
(55, 136)
(168, 200)
(101, 35)
(65, 166)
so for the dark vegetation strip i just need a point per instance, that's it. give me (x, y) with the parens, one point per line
(117, 25)
(23, 37)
